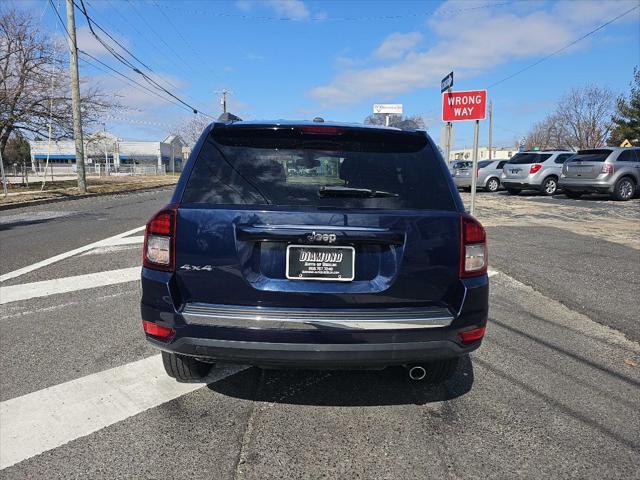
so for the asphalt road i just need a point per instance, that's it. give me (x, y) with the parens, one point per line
(552, 393)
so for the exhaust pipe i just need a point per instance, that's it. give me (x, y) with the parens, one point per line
(417, 373)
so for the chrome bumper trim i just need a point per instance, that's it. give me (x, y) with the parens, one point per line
(316, 319)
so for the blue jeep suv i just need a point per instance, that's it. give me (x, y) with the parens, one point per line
(314, 245)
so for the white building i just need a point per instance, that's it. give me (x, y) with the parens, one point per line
(498, 153)
(103, 148)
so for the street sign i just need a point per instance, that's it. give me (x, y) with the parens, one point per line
(626, 143)
(468, 105)
(387, 108)
(446, 83)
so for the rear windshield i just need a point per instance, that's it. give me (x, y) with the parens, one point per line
(462, 165)
(591, 156)
(484, 163)
(525, 158)
(357, 168)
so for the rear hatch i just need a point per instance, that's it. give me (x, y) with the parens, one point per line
(586, 164)
(318, 217)
(519, 167)
(462, 169)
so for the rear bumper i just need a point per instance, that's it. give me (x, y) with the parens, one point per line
(462, 182)
(315, 355)
(581, 185)
(524, 185)
(315, 337)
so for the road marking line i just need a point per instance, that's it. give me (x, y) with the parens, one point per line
(49, 418)
(70, 253)
(491, 272)
(26, 291)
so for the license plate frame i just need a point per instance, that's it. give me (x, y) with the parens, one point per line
(330, 270)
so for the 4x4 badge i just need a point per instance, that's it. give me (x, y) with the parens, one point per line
(196, 268)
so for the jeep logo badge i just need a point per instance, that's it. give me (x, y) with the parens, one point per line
(322, 237)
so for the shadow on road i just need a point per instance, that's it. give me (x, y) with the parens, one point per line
(343, 388)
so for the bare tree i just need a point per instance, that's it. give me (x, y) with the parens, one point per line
(34, 82)
(546, 134)
(581, 119)
(398, 121)
(191, 129)
(584, 115)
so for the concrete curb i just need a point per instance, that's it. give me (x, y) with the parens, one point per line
(32, 203)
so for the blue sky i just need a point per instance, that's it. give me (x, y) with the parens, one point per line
(299, 59)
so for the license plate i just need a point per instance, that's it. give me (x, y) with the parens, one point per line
(305, 262)
(517, 170)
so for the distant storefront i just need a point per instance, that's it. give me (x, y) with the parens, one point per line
(103, 149)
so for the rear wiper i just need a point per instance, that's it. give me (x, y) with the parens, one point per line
(338, 191)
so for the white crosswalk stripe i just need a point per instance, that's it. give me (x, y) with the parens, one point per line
(46, 419)
(62, 256)
(27, 291)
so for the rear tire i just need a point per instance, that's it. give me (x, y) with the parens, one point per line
(183, 368)
(493, 184)
(514, 191)
(441, 370)
(549, 186)
(624, 189)
(571, 194)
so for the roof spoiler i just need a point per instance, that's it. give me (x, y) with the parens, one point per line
(227, 117)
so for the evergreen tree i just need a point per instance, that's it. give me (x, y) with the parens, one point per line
(626, 120)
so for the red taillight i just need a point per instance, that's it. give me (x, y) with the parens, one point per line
(156, 330)
(607, 168)
(471, 336)
(473, 247)
(535, 167)
(325, 130)
(159, 241)
(161, 224)
(477, 172)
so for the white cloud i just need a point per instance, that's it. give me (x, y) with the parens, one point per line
(293, 9)
(87, 42)
(470, 44)
(397, 44)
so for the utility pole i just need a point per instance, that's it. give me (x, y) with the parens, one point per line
(447, 146)
(75, 97)
(4, 179)
(223, 101)
(490, 128)
(106, 155)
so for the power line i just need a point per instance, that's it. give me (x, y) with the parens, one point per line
(563, 48)
(153, 92)
(152, 30)
(114, 8)
(323, 18)
(184, 39)
(126, 62)
(153, 44)
(128, 79)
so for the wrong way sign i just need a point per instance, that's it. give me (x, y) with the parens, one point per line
(467, 105)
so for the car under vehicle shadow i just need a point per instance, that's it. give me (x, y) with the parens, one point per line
(343, 388)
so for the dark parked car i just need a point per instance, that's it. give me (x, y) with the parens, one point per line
(370, 263)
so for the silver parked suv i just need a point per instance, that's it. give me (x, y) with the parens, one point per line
(534, 170)
(612, 170)
(488, 173)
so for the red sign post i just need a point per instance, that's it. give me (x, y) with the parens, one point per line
(469, 105)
